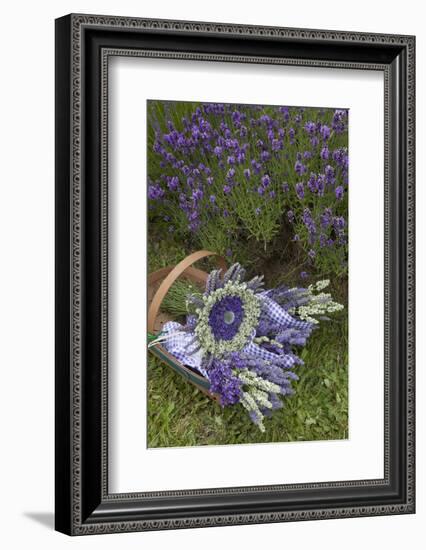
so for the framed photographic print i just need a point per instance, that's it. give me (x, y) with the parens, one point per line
(234, 274)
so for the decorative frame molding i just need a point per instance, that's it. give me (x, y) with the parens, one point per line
(84, 43)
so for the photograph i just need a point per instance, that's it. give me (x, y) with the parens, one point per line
(248, 273)
(234, 271)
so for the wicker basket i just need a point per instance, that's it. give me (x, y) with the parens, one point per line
(159, 283)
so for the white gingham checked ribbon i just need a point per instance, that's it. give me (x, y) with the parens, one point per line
(176, 341)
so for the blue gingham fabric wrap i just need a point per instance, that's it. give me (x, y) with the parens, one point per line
(176, 341)
(277, 314)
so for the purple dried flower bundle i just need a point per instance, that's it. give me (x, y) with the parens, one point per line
(243, 338)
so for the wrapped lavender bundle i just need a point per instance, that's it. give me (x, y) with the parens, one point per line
(242, 338)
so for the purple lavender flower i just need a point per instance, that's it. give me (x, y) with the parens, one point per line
(339, 192)
(275, 402)
(310, 128)
(320, 184)
(308, 221)
(300, 168)
(212, 199)
(304, 275)
(265, 155)
(339, 119)
(243, 131)
(313, 183)
(337, 155)
(193, 215)
(256, 166)
(300, 191)
(254, 417)
(277, 144)
(231, 144)
(241, 157)
(230, 174)
(218, 151)
(326, 218)
(173, 183)
(329, 174)
(290, 216)
(247, 173)
(236, 117)
(224, 383)
(339, 223)
(157, 147)
(266, 180)
(325, 132)
(285, 111)
(194, 225)
(155, 192)
(197, 194)
(325, 153)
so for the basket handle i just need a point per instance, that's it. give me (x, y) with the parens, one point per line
(172, 274)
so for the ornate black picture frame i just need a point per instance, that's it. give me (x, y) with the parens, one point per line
(84, 44)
